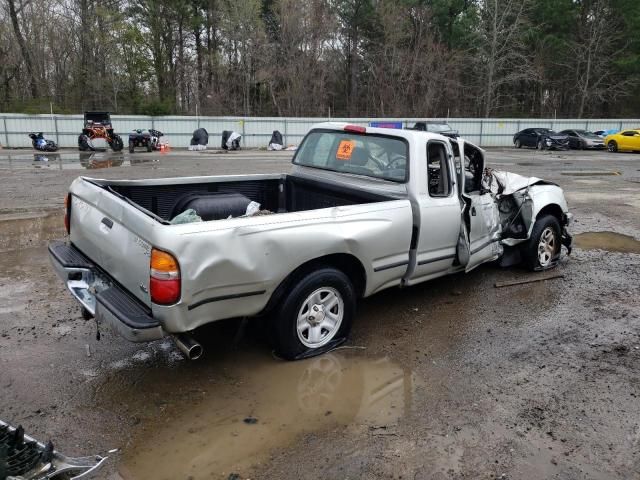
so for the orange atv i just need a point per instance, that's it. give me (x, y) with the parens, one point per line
(98, 125)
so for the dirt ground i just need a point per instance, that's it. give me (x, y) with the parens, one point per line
(452, 379)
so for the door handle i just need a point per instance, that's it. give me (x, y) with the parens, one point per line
(473, 211)
(107, 222)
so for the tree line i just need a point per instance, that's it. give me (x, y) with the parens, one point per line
(384, 58)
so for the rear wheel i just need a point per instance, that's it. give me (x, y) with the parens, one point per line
(540, 145)
(315, 315)
(612, 146)
(116, 143)
(149, 146)
(132, 146)
(543, 248)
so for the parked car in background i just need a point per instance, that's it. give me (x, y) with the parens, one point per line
(541, 138)
(440, 127)
(583, 139)
(624, 141)
(604, 133)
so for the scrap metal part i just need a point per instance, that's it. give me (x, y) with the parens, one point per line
(24, 458)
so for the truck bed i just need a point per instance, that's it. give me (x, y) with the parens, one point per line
(278, 194)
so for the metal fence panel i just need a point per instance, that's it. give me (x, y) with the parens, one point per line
(256, 132)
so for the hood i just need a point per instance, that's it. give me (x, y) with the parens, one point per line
(557, 136)
(505, 183)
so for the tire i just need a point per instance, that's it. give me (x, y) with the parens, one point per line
(83, 144)
(297, 327)
(612, 146)
(518, 143)
(132, 146)
(116, 143)
(149, 147)
(540, 145)
(542, 250)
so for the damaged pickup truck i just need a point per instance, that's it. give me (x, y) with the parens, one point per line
(362, 210)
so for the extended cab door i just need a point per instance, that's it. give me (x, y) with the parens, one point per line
(479, 238)
(439, 216)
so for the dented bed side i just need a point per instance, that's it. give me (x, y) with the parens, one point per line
(230, 268)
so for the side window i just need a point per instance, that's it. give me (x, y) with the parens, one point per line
(630, 133)
(439, 175)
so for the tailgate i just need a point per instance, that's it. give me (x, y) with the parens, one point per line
(113, 235)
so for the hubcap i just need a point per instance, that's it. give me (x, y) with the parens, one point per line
(547, 247)
(320, 317)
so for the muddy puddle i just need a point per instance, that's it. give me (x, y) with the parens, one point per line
(72, 161)
(609, 241)
(28, 229)
(262, 406)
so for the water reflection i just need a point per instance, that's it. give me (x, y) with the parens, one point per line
(95, 160)
(47, 160)
(219, 434)
(71, 161)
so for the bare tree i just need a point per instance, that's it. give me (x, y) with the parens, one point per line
(501, 59)
(14, 11)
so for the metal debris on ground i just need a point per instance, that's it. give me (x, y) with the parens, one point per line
(528, 280)
(23, 458)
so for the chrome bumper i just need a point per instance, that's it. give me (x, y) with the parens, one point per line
(111, 305)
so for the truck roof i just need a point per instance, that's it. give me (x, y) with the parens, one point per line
(395, 132)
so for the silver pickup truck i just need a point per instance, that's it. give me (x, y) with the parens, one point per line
(363, 209)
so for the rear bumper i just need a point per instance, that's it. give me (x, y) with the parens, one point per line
(96, 291)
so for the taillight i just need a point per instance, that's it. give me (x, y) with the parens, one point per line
(164, 278)
(67, 213)
(355, 129)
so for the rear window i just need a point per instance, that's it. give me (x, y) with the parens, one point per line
(377, 156)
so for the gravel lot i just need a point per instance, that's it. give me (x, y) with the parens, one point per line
(450, 379)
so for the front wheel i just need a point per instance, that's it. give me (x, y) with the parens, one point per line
(316, 314)
(518, 143)
(540, 145)
(543, 248)
(132, 146)
(612, 146)
(83, 143)
(116, 143)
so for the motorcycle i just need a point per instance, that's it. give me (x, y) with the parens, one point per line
(40, 143)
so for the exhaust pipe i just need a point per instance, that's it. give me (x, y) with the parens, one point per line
(188, 345)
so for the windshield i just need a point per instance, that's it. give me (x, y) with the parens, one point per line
(438, 127)
(377, 156)
(587, 134)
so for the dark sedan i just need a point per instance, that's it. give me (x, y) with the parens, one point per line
(583, 139)
(541, 138)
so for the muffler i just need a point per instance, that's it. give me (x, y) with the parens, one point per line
(188, 345)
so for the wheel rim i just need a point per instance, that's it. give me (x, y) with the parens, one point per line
(547, 247)
(320, 317)
(539, 145)
(517, 143)
(612, 147)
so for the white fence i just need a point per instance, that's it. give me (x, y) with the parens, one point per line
(256, 132)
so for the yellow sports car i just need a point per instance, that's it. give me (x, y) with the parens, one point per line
(624, 140)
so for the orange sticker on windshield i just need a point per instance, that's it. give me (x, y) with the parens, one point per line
(345, 149)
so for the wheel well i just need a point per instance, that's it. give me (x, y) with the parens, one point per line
(552, 209)
(345, 262)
